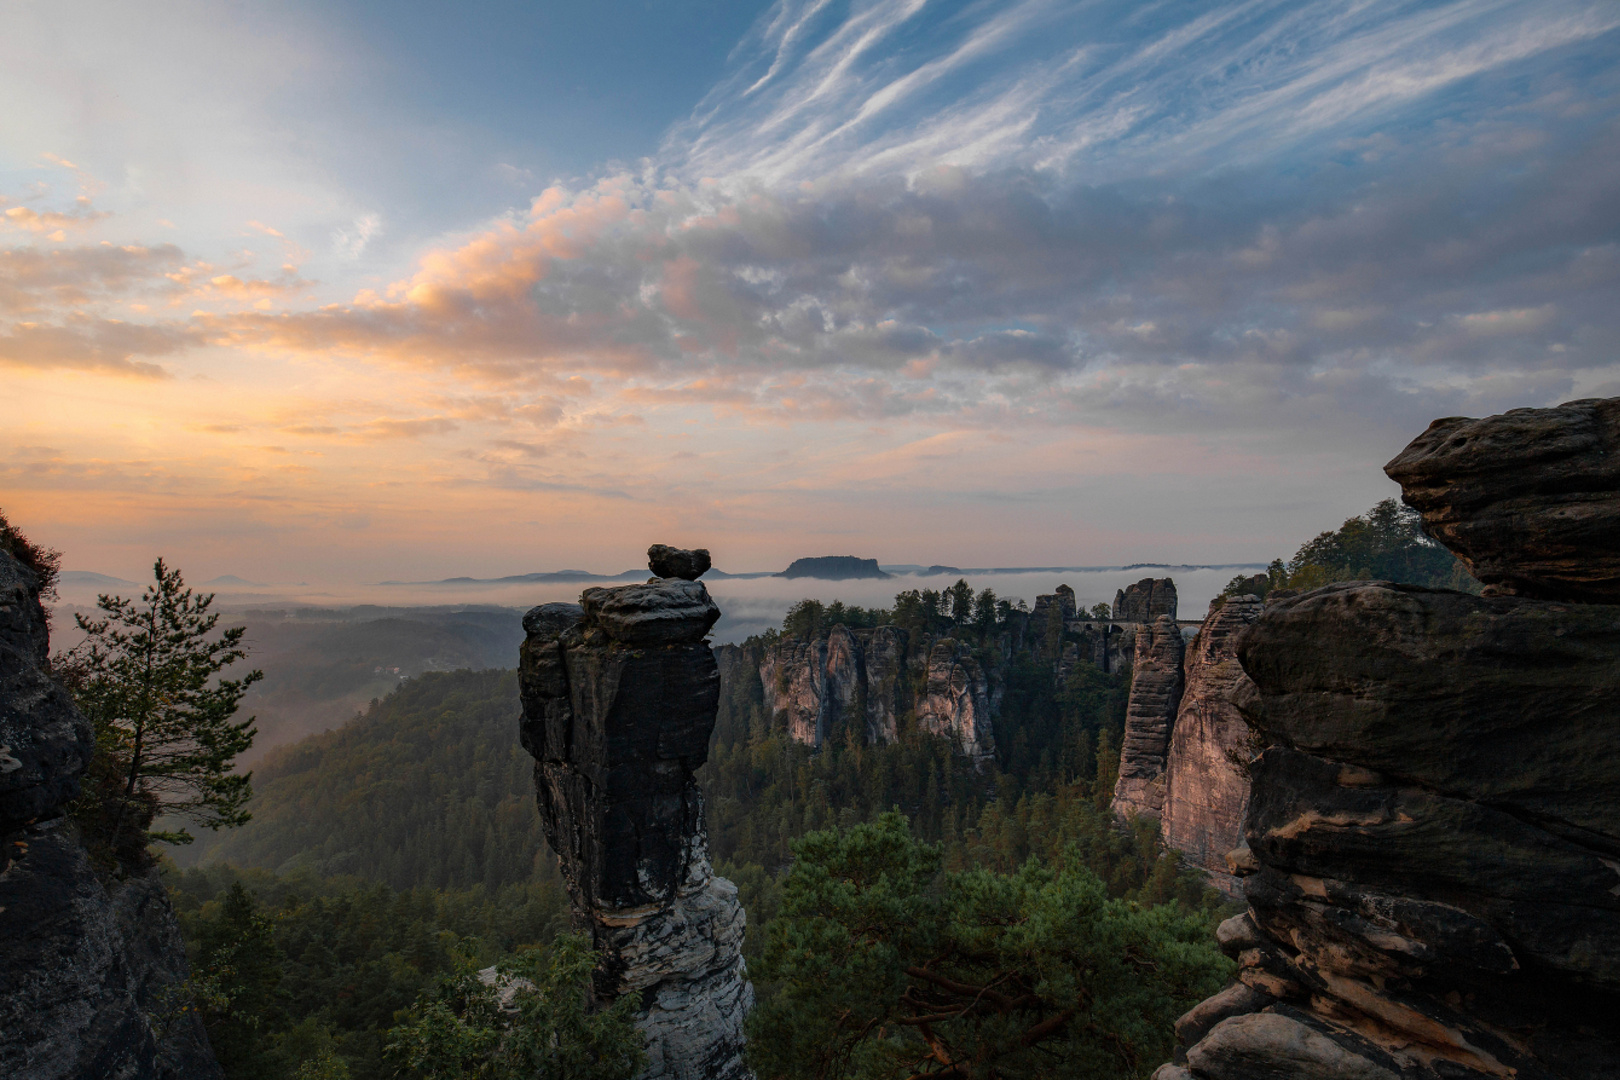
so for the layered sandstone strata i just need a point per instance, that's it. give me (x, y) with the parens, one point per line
(1432, 851)
(91, 977)
(956, 700)
(619, 698)
(1526, 499)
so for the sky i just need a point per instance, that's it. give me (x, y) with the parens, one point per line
(352, 292)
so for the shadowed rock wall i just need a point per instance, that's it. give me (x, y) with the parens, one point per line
(619, 698)
(1432, 856)
(88, 979)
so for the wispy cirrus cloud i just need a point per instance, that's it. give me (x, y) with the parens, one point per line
(924, 257)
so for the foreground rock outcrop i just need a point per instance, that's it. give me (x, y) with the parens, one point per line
(90, 977)
(1526, 499)
(1432, 855)
(619, 698)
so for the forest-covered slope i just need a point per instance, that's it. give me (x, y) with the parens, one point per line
(428, 787)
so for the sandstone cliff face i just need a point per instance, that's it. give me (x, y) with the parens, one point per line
(1145, 601)
(887, 693)
(619, 698)
(1432, 851)
(88, 980)
(1156, 691)
(794, 674)
(956, 701)
(1208, 791)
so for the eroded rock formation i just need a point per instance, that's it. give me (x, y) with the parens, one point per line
(1526, 499)
(89, 979)
(1208, 790)
(1432, 851)
(619, 698)
(956, 699)
(1156, 689)
(1145, 601)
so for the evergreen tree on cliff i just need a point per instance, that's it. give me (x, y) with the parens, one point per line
(146, 675)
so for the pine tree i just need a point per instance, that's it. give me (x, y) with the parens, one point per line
(146, 676)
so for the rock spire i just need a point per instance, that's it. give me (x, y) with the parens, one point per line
(619, 697)
(1145, 601)
(1156, 687)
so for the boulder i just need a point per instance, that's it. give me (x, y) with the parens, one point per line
(1529, 500)
(673, 562)
(1287, 1046)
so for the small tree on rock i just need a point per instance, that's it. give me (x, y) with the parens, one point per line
(146, 675)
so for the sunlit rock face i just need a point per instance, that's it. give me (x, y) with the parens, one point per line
(1208, 789)
(1432, 843)
(619, 698)
(956, 700)
(793, 673)
(87, 976)
(1150, 716)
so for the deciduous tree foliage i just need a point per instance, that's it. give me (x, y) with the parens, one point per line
(889, 966)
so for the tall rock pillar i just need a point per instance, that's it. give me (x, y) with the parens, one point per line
(1156, 687)
(1208, 790)
(619, 695)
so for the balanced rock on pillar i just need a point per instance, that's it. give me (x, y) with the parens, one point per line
(619, 696)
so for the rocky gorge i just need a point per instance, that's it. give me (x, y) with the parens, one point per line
(91, 966)
(1430, 853)
(619, 697)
